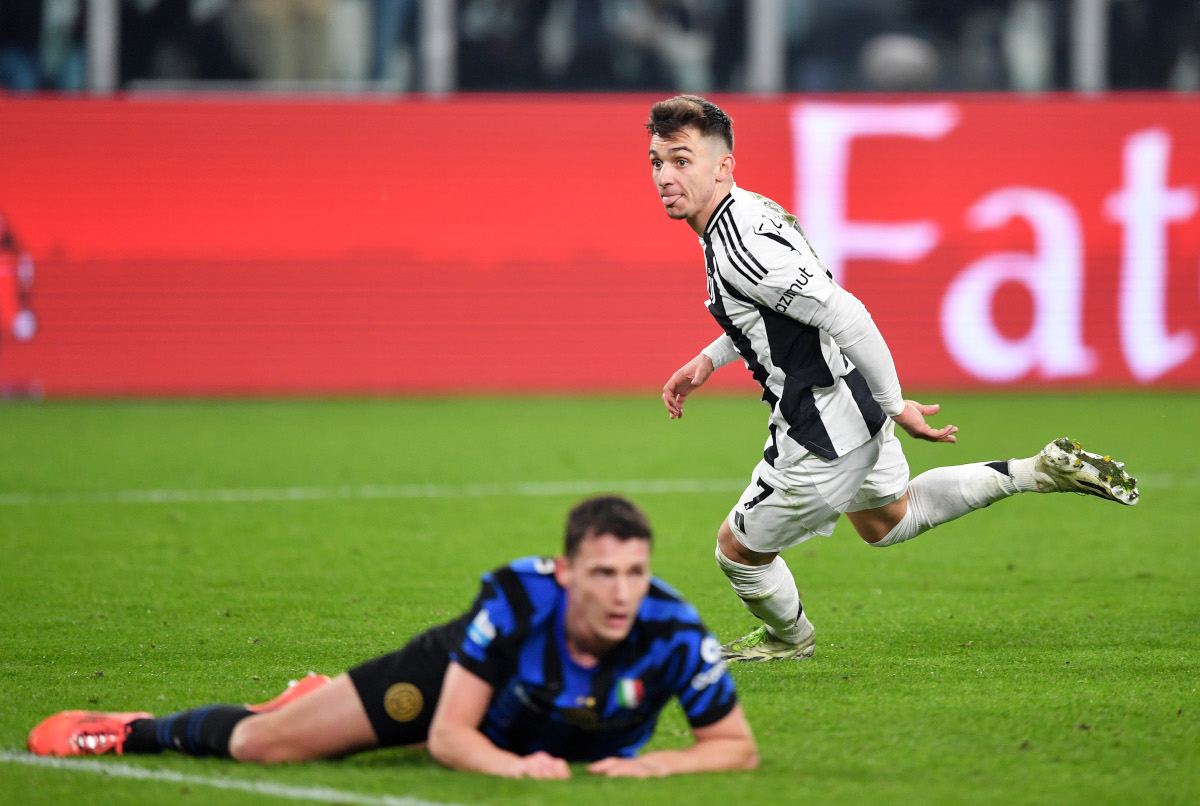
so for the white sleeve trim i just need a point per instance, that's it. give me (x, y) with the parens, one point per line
(721, 351)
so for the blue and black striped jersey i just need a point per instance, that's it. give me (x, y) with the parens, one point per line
(543, 700)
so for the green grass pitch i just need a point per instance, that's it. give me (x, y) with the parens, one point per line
(162, 555)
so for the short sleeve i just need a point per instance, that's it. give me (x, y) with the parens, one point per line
(706, 690)
(487, 648)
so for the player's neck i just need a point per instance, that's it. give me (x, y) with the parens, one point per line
(584, 648)
(699, 222)
(583, 655)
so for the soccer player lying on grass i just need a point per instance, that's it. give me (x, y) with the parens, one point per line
(828, 376)
(557, 660)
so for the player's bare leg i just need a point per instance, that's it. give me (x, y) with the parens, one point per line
(316, 718)
(768, 590)
(946, 493)
(328, 723)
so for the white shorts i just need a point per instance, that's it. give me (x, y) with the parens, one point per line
(783, 507)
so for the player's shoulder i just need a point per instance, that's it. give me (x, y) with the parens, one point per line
(527, 585)
(754, 213)
(665, 606)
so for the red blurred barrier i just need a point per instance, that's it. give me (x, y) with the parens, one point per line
(507, 243)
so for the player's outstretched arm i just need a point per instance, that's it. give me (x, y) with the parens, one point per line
(912, 420)
(688, 378)
(456, 741)
(727, 744)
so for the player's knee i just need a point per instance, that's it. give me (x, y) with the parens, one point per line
(879, 526)
(874, 532)
(732, 549)
(726, 542)
(889, 535)
(255, 740)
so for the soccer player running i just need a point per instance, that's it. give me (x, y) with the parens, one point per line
(828, 376)
(557, 660)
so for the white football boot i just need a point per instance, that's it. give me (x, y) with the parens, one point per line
(1064, 466)
(759, 645)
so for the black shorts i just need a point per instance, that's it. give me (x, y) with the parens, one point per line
(400, 690)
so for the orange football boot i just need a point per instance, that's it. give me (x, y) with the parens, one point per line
(294, 691)
(82, 733)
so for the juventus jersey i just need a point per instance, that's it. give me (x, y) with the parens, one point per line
(796, 329)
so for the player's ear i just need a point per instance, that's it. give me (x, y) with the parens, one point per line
(562, 571)
(725, 167)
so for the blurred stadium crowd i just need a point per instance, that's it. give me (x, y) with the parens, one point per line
(591, 45)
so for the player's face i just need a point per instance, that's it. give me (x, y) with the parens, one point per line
(606, 581)
(688, 170)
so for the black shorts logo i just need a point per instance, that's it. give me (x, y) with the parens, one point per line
(403, 702)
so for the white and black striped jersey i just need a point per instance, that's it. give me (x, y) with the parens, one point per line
(824, 368)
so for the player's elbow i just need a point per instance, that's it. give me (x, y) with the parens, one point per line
(748, 757)
(743, 755)
(441, 743)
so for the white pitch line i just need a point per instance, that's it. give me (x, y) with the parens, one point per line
(114, 769)
(519, 489)
(375, 491)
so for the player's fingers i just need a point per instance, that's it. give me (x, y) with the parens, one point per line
(602, 766)
(550, 774)
(943, 434)
(671, 401)
(547, 767)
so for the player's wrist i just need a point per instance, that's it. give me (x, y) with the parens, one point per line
(720, 352)
(894, 408)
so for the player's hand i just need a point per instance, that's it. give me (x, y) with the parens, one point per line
(688, 378)
(912, 420)
(542, 766)
(614, 767)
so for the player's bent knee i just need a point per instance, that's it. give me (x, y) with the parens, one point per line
(876, 526)
(874, 533)
(733, 549)
(255, 741)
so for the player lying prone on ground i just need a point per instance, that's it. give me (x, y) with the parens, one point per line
(567, 659)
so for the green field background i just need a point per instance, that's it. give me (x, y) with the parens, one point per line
(1043, 651)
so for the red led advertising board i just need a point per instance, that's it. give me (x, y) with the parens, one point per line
(507, 243)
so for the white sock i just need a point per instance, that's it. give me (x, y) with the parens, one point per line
(769, 592)
(1022, 473)
(945, 493)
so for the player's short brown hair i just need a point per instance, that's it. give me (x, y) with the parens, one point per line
(605, 515)
(669, 117)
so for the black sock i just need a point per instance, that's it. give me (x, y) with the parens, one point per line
(200, 732)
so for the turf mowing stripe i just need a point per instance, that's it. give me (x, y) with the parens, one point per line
(310, 793)
(376, 491)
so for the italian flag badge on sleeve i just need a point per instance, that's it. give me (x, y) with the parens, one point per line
(630, 693)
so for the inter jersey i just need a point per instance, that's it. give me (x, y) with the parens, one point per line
(514, 640)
